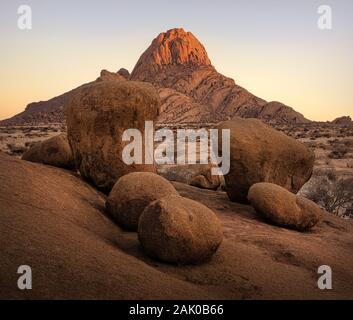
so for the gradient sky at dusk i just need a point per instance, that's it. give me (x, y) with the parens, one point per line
(272, 48)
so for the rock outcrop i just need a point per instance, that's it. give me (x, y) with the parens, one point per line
(55, 152)
(125, 73)
(54, 222)
(97, 116)
(109, 76)
(284, 208)
(259, 153)
(179, 230)
(175, 47)
(277, 112)
(133, 193)
(343, 121)
(180, 108)
(178, 61)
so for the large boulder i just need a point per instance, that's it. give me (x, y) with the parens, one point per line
(133, 193)
(55, 152)
(259, 153)
(283, 207)
(179, 230)
(97, 116)
(125, 73)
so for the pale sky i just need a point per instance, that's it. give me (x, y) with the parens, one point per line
(272, 48)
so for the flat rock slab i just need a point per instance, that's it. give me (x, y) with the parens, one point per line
(54, 222)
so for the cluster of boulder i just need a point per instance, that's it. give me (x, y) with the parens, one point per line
(170, 228)
(259, 153)
(267, 169)
(133, 193)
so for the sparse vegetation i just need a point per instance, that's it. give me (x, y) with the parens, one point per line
(338, 153)
(333, 193)
(15, 140)
(16, 149)
(30, 144)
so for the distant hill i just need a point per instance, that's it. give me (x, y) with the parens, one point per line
(52, 111)
(190, 87)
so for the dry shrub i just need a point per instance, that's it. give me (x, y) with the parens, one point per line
(30, 144)
(16, 149)
(332, 192)
(338, 152)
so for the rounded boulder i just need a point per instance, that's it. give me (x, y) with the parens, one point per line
(55, 152)
(97, 117)
(206, 180)
(133, 193)
(179, 230)
(284, 208)
(259, 153)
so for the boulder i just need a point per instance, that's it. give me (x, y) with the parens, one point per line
(106, 75)
(284, 208)
(97, 116)
(125, 73)
(55, 152)
(205, 180)
(259, 153)
(133, 193)
(183, 173)
(179, 230)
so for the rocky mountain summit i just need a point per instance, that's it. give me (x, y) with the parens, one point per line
(178, 61)
(191, 89)
(175, 47)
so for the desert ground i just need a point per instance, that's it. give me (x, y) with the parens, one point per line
(15, 140)
(332, 144)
